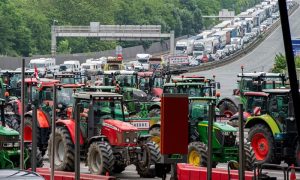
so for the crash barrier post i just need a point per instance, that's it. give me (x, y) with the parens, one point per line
(174, 130)
(52, 175)
(209, 143)
(34, 137)
(291, 176)
(77, 140)
(22, 114)
(259, 175)
(241, 144)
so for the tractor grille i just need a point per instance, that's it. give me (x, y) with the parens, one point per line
(227, 140)
(9, 138)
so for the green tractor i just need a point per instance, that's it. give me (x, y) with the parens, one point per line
(273, 131)
(224, 144)
(254, 82)
(10, 146)
(137, 102)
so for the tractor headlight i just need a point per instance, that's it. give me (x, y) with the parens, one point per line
(8, 145)
(127, 140)
(234, 133)
(17, 144)
(59, 106)
(225, 133)
(134, 140)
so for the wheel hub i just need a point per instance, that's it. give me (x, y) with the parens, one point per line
(194, 158)
(260, 146)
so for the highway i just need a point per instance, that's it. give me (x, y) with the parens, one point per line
(260, 59)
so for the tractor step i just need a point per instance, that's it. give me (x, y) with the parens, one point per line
(61, 175)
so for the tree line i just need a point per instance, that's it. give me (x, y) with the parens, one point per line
(25, 25)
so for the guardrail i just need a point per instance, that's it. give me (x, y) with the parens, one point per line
(239, 54)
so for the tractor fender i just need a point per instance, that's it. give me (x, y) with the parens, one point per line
(264, 119)
(70, 125)
(157, 124)
(43, 119)
(97, 138)
(154, 106)
(233, 99)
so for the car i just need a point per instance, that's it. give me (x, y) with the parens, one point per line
(194, 62)
(220, 53)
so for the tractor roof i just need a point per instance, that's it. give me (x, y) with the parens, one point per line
(250, 93)
(100, 87)
(183, 84)
(71, 85)
(257, 74)
(145, 74)
(97, 95)
(44, 81)
(205, 98)
(277, 91)
(121, 72)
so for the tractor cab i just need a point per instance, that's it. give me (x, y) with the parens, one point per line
(151, 83)
(192, 89)
(69, 77)
(258, 81)
(256, 102)
(113, 64)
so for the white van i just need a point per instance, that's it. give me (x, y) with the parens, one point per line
(42, 64)
(88, 66)
(72, 65)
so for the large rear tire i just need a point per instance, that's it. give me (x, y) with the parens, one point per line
(197, 154)
(262, 143)
(150, 156)
(250, 157)
(100, 158)
(227, 108)
(39, 158)
(64, 155)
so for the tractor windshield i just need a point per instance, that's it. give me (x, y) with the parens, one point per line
(195, 90)
(273, 83)
(127, 80)
(199, 110)
(64, 96)
(108, 110)
(256, 101)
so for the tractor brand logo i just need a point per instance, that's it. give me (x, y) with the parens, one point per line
(110, 126)
(141, 124)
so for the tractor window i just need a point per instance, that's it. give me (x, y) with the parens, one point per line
(170, 90)
(199, 110)
(256, 101)
(282, 103)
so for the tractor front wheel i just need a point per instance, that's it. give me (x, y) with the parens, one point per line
(262, 143)
(149, 157)
(155, 112)
(100, 158)
(64, 152)
(39, 158)
(197, 154)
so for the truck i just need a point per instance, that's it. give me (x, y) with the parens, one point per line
(43, 64)
(224, 38)
(70, 66)
(184, 47)
(144, 60)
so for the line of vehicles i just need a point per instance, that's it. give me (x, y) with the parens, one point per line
(229, 36)
(120, 117)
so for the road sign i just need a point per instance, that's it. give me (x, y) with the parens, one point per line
(296, 46)
(119, 50)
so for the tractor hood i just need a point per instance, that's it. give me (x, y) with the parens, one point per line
(222, 126)
(119, 125)
(5, 131)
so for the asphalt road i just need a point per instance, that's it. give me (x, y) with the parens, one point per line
(260, 59)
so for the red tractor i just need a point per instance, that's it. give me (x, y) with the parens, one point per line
(108, 145)
(40, 94)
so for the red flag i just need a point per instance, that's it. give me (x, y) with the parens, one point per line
(36, 73)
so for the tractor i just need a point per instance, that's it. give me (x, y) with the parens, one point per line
(107, 145)
(10, 146)
(254, 82)
(113, 64)
(273, 131)
(136, 101)
(39, 94)
(225, 147)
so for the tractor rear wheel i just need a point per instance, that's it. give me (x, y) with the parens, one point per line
(197, 154)
(262, 143)
(250, 156)
(227, 108)
(150, 156)
(100, 158)
(64, 155)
